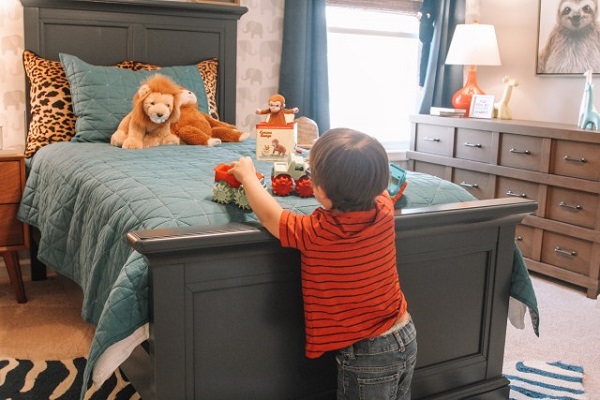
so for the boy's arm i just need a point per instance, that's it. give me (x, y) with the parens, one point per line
(266, 208)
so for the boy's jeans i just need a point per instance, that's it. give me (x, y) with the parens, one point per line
(378, 368)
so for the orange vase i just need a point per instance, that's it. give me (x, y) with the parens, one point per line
(462, 98)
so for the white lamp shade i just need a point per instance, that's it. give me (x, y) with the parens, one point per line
(474, 44)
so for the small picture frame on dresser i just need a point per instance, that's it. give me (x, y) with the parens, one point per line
(482, 106)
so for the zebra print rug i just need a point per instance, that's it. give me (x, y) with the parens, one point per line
(546, 380)
(36, 380)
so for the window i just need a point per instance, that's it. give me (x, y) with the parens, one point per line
(373, 72)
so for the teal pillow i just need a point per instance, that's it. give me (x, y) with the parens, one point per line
(102, 96)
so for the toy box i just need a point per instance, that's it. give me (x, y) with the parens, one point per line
(275, 143)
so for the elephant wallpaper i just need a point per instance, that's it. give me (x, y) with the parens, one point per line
(259, 53)
(260, 32)
(12, 77)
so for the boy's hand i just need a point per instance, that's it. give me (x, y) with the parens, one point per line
(242, 169)
(266, 208)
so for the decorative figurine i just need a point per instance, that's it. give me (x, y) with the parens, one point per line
(501, 109)
(588, 116)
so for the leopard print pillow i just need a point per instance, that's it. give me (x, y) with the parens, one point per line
(52, 119)
(50, 103)
(51, 106)
(208, 70)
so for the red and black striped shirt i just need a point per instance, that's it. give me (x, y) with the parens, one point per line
(349, 278)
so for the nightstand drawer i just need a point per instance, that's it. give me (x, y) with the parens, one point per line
(472, 144)
(10, 182)
(434, 140)
(579, 160)
(11, 229)
(519, 151)
(566, 252)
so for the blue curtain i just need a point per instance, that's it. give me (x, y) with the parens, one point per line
(441, 81)
(303, 75)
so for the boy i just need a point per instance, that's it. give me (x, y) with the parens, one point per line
(352, 298)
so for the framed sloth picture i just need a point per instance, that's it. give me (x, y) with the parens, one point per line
(568, 37)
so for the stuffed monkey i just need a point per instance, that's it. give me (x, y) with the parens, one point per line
(276, 111)
(197, 128)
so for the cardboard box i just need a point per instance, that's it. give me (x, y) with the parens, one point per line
(275, 143)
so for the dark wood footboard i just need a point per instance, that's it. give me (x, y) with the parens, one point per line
(226, 308)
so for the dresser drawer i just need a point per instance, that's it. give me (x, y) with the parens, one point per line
(10, 172)
(524, 239)
(431, 169)
(571, 206)
(434, 140)
(472, 144)
(523, 152)
(11, 229)
(566, 252)
(576, 159)
(508, 187)
(478, 184)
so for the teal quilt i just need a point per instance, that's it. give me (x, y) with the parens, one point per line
(85, 198)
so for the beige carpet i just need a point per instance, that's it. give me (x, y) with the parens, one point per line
(49, 326)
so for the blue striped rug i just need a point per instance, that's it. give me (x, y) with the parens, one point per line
(546, 380)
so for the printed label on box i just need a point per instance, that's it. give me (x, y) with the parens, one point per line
(274, 143)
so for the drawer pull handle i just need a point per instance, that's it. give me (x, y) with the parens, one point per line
(515, 151)
(571, 253)
(519, 238)
(467, 144)
(470, 185)
(567, 205)
(428, 139)
(513, 194)
(580, 160)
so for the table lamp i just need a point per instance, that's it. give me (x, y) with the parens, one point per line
(472, 45)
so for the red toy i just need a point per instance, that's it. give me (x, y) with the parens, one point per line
(287, 173)
(227, 189)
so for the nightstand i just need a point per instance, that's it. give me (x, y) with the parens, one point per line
(14, 235)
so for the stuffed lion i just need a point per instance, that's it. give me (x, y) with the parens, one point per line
(198, 128)
(156, 106)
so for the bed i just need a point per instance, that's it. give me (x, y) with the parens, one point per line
(193, 298)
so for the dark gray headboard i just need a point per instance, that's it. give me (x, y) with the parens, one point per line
(104, 32)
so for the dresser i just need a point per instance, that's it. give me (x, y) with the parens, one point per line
(556, 165)
(14, 234)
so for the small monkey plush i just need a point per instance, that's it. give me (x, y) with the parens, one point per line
(276, 111)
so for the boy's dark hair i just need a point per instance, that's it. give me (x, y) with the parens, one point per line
(351, 167)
